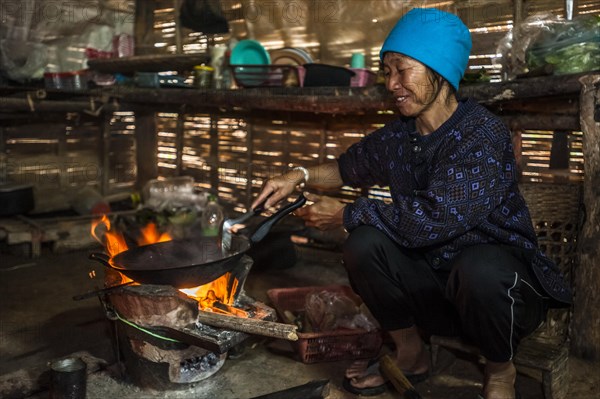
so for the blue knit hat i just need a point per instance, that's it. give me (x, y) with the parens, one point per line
(436, 38)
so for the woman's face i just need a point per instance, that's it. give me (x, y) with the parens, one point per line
(410, 83)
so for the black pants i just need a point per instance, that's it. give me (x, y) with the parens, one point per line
(487, 295)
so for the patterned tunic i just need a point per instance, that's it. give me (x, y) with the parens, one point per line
(453, 188)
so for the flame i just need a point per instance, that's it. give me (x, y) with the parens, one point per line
(215, 291)
(216, 297)
(115, 242)
(151, 235)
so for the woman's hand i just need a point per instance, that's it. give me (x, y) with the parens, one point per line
(325, 214)
(277, 188)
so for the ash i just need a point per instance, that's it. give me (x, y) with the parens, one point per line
(219, 333)
(199, 363)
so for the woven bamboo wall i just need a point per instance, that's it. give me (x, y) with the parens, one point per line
(332, 30)
(60, 157)
(347, 28)
(121, 156)
(261, 148)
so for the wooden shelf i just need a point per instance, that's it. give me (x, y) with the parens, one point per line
(319, 100)
(148, 63)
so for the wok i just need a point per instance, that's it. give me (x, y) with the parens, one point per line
(191, 262)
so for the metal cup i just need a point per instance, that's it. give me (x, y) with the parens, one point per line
(68, 378)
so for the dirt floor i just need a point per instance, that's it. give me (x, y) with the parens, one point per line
(39, 322)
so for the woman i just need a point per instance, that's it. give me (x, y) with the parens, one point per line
(455, 253)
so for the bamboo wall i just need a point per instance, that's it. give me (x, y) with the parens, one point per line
(235, 153)
(71, 151)
(330, 31)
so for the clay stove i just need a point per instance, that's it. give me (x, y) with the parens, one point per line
(171, 337)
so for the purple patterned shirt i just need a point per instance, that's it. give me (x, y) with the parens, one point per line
(453, 188)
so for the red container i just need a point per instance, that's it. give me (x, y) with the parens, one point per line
(340, 344)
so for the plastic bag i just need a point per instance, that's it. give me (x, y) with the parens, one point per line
(545, 43)
(570, 47)
(21, 61)
(173, 193)
(328, 311)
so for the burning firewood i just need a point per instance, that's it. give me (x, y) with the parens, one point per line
(250, 326)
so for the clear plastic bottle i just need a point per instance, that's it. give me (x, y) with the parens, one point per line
(212, 218)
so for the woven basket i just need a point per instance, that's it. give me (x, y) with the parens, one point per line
(556, 214)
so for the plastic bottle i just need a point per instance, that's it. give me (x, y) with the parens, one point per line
(88, 201)
(212, 218)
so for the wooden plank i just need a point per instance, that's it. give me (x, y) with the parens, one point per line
(75, 233)
(318, 100)
(36, 106)
(326, 100)
(542, 121)
(146, 151)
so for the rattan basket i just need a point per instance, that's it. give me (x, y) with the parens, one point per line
(556, 214)
(340, 344)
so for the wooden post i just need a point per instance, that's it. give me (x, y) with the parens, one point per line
(323, 141)
(585, 327)
(179, 139)
(144, 26)
(3, 156)
(146, 147)
(178, 34)
(213, 159)
(518, 11)
(249, 160)
(105, 154)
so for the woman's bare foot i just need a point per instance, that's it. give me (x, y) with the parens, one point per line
(361, 377)
(410, 356)
(499, 381)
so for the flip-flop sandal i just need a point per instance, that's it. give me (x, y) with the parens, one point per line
(367, 391)
(373, 368)
(417, 378)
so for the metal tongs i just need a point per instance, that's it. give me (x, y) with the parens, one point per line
(229, 223)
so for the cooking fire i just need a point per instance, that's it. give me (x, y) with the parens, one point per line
(187, 329)
(217, 295)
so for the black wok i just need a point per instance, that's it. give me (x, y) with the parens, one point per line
(191, 262)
